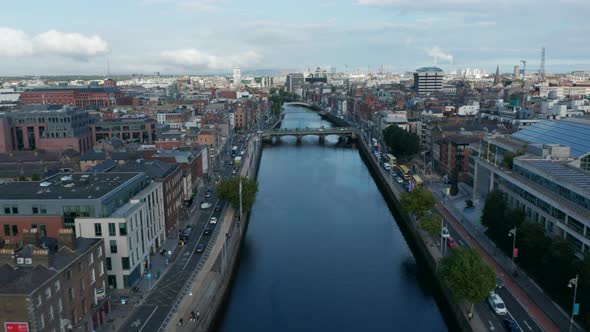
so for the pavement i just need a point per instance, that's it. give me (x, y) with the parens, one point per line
(522, 288)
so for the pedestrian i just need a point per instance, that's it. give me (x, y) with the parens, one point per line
(192, 317)
(470, 315)
(198, 315)
(180, 322)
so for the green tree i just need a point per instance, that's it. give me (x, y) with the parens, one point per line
(228, 190)
(454, 182)
(431, 224)
(418, 201)
(558, 267)
(22, 178)
(467, 275)
(401, 142)
(35, 177)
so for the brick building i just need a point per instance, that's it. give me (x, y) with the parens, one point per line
(454, 155)
(50, 130)
(55, 285)
(175, 119)
(78, 97)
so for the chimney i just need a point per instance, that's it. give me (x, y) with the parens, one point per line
(31, 236)
(67, 238)
(40, 257)
(7, 256)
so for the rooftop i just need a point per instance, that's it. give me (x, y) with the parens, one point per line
(25, 280)
(155, 169)
(66, 186)
(570, 132)
(563, 172)
(425, 69)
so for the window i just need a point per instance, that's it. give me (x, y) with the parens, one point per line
(97, 230)
(48, 293)
(100, 269)
(50, 312)
(113, 244)
(82, 285)
(125, 263)
(35, 210)
(6, 210)
(59, 305)
(57, 286)
(6, 230)
(99, 252)
(108, 264)
(92, 277)
(42, 321)
(38, 301)
(122, 228)
(14, 230)
(112, 230)
(69, 275)
(14, 210)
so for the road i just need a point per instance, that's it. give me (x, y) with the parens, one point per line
(152, 311)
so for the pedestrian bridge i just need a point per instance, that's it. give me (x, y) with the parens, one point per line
(345, 134)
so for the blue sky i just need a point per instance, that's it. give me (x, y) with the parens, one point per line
(212, 36)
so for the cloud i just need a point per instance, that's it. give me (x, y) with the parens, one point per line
(70, 44)
(14, 43)
(17, 43)
(438, 54)
(434, 5)
(193, 5)
(195, 59)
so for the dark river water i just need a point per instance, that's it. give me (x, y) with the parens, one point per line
(323, 251)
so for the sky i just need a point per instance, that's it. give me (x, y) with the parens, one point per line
(213, 36)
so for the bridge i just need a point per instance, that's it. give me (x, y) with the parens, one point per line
(344, 133)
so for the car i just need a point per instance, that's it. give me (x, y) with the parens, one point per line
(445, 233)
(243, 152)
(451, 242)
(200, 248)
(231, 162)
(234, 171)
(208, 194)
(205, 205)
(387, 166)
(207, 231)
(187, 232)
(213, 220)
(497, 304)
(217, 208)
(511, 325)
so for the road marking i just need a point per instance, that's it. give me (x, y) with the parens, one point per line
(200, 236)
(148, 319)
(462, 244)
(520, 327)
(491, 325)
(527, 324)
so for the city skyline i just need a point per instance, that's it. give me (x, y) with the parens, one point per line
(208, 37)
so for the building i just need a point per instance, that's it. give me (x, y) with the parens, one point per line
(132, 233)
(49, 130)
(128, 129)
(171, 177)
(55, 285)
(86, 97)
(428, 80)
(237, 77)
(549, 181)
(294, 83)
(454, 155)
(469, 110)
(176, 119)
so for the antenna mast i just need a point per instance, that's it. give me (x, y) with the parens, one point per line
(542, 67)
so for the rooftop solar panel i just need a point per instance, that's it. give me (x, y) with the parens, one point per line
(576, 135)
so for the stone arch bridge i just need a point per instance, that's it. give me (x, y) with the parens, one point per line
(343, 133)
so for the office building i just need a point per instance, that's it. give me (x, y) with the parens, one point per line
(294, 83)
(86, 97)
(428, 80)
(131, 129)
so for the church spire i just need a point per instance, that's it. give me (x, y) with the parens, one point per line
(497, 77)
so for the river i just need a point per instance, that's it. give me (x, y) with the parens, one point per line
(323, 251)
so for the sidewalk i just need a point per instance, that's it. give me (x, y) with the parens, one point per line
(467, 222)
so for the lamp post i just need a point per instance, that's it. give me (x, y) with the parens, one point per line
(240, 198)
(573, 283)
(512, 233)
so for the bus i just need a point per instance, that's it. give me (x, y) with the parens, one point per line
(417, 181)
(404, 172)
(391, 160)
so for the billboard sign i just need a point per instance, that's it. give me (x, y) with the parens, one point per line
(16, 327)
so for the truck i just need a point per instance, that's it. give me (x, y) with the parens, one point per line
(234, 150)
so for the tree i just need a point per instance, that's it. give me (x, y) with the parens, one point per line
(467, 275)
(418, 201)
(533, 244)
(431, 224)
(454, 182)
(493, 211)
(22, 178)
(35, 177)
(228, 190)
(401, 142)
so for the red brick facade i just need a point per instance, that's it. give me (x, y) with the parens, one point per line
(51, 225)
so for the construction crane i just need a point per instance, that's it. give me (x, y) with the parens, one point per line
(523, 68)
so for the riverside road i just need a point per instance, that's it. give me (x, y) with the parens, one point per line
(322, 251)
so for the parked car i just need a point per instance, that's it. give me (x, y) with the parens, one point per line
(499, 283)
(208, 194)
(200, 248)
(213, 220)
(207, 231)
(451, 242)
(217, 208)
(511, 325)
(497, 304)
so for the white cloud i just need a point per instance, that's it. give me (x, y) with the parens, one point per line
(438, 54)
(14, 43)
(17, 43)
(70, 44)
(193, 5)
(430, 5)
(192, 58)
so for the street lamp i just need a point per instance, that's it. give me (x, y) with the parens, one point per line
(512, 233)
(575, 306)
(444, 233)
